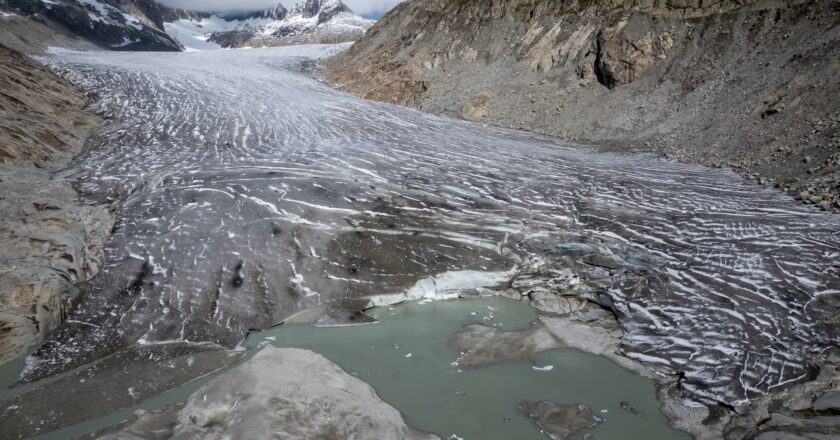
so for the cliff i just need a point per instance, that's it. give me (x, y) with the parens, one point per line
(747, 84)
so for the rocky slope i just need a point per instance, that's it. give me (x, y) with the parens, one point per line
(109, 24)
(50, 241)
(748, 84)
(29, 36)
(280, 393)
(312, 21)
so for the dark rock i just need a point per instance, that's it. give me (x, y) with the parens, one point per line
(559, 422)
(116, 25)
(627, 406)
(344, 318)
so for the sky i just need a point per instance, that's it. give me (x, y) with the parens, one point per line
(367, 8)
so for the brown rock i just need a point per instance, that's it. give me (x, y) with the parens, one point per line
(476, 109)
(49, 240)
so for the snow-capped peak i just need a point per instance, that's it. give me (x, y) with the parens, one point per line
(310, 21)
(316, 8)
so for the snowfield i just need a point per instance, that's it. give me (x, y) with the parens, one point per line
(192, 35)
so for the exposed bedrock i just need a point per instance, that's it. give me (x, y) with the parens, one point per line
(284, 393)
(49, 240)
(745, 84)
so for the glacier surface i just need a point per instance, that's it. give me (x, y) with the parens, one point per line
(248, 191)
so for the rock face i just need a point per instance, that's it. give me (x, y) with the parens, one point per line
(728, 83)
(110, 24)
(311, 21)
(49, 240)
(281, 393)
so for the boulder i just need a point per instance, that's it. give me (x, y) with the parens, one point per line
(829, 401)
(481, 345)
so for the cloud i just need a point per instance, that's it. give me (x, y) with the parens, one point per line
(368, 8)
(220, 5)
(371, 8)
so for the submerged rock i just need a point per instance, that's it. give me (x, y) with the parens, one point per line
(627, 406)
(481, 345)
(559, 422)
(283, 393)
(344, 318)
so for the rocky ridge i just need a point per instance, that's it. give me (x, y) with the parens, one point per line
(50, 241)
(109, 24)
(749, 85)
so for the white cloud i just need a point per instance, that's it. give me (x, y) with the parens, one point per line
(219, 5)
(362, 7)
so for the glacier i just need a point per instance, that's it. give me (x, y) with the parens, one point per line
(248, 191)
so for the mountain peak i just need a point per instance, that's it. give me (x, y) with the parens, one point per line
(323, 9)
(309, 22)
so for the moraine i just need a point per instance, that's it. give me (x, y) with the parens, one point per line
(249, 193)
